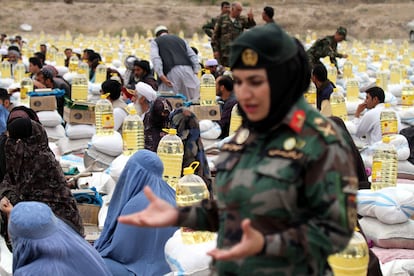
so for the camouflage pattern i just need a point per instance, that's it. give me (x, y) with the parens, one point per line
(325, 47)
(225, 31)
(295, 183)
(208, 28)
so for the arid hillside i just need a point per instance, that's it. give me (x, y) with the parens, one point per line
(364, 19)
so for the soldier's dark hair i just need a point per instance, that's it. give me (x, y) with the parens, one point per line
(376, 92)
(320, 72)
(225, 3)
(269, 11)
(227, 82)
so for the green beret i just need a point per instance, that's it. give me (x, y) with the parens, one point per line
(342, 31)
(261, 47)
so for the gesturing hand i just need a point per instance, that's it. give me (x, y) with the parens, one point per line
(252, 243)
(159, 213)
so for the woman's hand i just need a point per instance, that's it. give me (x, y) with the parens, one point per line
(159, 213)
(251, 244)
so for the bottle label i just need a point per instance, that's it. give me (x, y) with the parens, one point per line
(23, 93)
(79, 92)
(376, 171)
(339, 110)
(389, 127)
(107, 121)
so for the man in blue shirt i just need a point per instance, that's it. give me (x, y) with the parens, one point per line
(4, 112)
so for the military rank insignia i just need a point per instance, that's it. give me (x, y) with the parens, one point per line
(297, 121)
(249, 57)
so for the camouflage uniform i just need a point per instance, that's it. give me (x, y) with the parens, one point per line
(208, 28)
(324, 47)
(296, 185)
(225, 31)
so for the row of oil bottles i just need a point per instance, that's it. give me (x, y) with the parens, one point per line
(111, 47)
(396, 76)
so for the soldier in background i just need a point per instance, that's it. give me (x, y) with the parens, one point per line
(327, 47)
(208, 28)
(228, 28)
(285, 190)
(267, 14)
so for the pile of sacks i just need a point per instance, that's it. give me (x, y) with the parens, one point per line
(388, 226)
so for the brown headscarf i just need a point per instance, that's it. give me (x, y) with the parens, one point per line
(34, 174)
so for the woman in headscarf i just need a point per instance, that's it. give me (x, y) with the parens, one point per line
(188, 129)
(45, 245)
(16, 112)
(155, 121)
(136, 251)
(285, 190)
(34, 174)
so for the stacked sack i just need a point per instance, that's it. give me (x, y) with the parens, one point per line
(80, 126)
(387, 223)
(402, 147)
(46, 107)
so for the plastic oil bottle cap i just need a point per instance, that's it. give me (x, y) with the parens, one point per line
(386, 139)
(132, 111)
(387, 105)
(191, 169)
(171, 131)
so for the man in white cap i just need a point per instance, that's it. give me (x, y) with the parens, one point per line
(143, 99)
(175, 63)
(215, 69)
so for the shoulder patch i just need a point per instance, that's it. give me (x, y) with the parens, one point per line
(323, 126)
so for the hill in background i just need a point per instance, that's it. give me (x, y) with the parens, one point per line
(364, 19)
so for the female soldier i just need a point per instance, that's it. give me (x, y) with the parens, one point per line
(286, 192)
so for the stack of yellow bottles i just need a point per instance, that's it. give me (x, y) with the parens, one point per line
(191, 190)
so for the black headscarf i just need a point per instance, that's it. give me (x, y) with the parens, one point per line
(20, 128)
(286, 64)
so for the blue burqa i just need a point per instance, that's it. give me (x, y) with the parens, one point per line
(131, 250)
(44, 245)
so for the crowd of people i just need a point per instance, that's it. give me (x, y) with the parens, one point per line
(283, 198)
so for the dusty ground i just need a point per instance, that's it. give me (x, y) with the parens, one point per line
(364, 19)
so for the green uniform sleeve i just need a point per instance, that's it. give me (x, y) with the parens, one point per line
(216, 36)
(209, 27)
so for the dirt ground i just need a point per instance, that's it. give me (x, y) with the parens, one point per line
(364, 19)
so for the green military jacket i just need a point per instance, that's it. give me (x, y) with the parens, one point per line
(226, 31)
(296, 183)
(325, 47)
(208, 28)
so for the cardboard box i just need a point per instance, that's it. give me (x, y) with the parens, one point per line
(43, 103)
(176, 102)
(89, 213)
(204, 112)
(79, 116)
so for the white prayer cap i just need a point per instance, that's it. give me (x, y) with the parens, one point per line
(146, 90)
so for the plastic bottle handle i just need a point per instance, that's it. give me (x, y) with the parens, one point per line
(194, 165)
